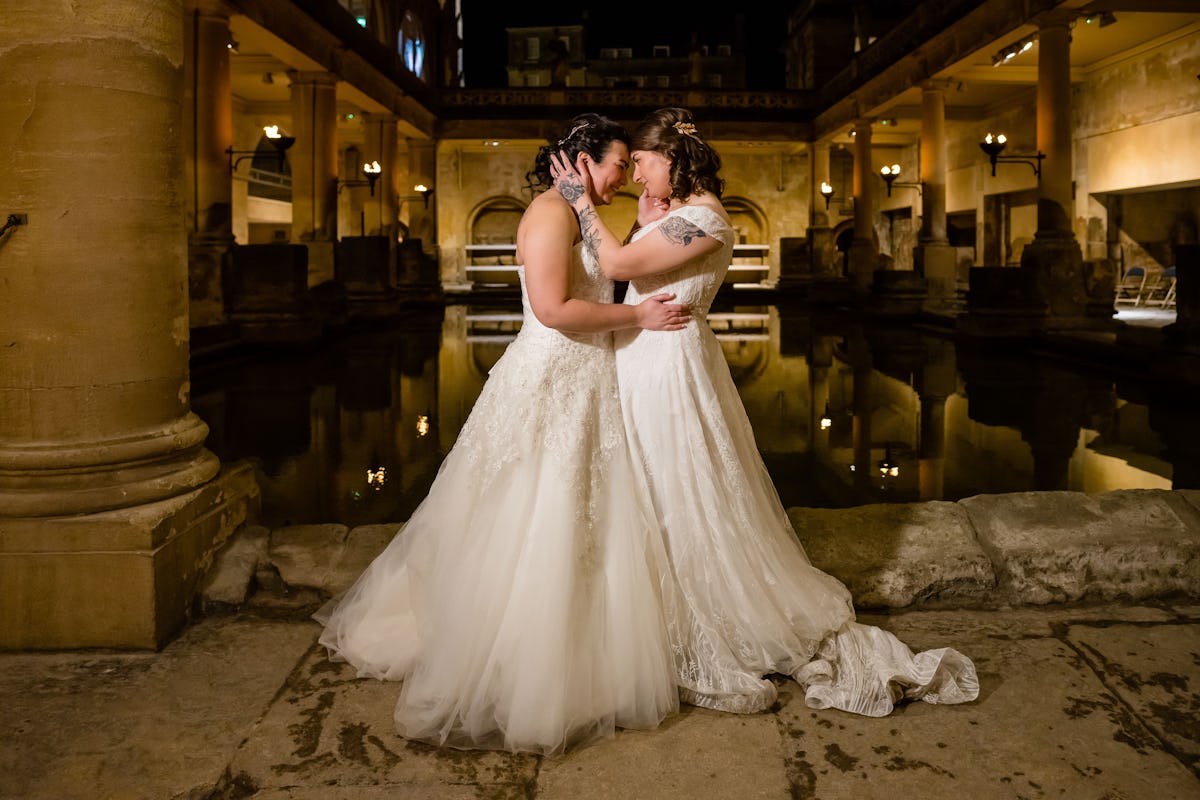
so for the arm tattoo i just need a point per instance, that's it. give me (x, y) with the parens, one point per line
(680, 231)
(570, 188)
(587, 228)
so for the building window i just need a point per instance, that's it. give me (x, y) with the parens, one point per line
(662, 81)
(724, 50)
(662, 51)
(714, 81)
(609, 52)
(625, 52)
(533, 48)
(411, 44)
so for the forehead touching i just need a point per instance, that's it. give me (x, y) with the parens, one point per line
(616, 153)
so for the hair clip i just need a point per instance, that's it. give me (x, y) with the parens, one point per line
(573, 131)
(686, 128)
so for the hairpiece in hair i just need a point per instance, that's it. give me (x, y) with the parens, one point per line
(573, 131)
(686, 128)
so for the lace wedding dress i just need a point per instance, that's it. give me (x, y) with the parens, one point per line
(751, 602)
(522, 603)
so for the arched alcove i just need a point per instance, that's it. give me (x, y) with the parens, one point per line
(748, 220)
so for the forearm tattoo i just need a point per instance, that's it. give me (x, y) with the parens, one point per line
(570, 188)
(588, 220)
(680, 231)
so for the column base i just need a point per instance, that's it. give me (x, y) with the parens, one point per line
(122, 579)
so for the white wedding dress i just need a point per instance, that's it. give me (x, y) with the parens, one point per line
(522, 603)
(750, 601)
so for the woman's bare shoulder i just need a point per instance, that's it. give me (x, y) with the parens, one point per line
(547, 215)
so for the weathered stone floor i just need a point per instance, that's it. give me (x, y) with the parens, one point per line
(1081, 612)
(1081, 702)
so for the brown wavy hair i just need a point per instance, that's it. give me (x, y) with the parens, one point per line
(672, 132)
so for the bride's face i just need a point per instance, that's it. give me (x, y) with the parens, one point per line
(653, 171)
(610, 174)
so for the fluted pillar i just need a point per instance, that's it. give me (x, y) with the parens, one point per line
(864, 253)
(104, 479)
(313, 160)
(933, 257)
(207, 133)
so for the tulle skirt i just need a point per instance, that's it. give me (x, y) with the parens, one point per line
(522, 605)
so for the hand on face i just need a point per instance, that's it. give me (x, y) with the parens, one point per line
(573, 181)
(651, 208)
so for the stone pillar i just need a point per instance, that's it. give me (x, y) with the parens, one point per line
(933, 257)
(108, 505)
(864, 252)
(314, 169)
(207, 133)
(826, 261)
(1054, 256)
(380, 146)
(422, 216)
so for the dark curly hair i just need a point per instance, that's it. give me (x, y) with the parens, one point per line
(587, 133)
(694, 164)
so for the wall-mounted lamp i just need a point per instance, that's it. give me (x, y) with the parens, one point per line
(279, 141)
(232, 45)
(889, 175)
(994, 146)
(424, 191)
(370, 173)
(827, 193)
(826, 419)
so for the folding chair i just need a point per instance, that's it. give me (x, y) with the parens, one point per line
(1161, 293)
(1130, 287)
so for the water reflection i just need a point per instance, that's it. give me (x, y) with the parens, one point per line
(845, 412)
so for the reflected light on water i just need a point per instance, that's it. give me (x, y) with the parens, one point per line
(845, 411)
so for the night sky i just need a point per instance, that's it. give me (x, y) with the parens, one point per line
(613, 25)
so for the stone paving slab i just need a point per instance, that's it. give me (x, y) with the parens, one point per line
(328, 728)
(139, 725)
(1045, 725)
(1152, 670)
(698, 753)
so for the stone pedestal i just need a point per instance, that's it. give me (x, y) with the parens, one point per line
(364, 270)
(266, 294)
(938, 263)
(123, 578)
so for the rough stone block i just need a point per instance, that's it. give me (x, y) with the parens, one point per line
(1055, 547)
(895, 555)
(228, 581)
(304, 555)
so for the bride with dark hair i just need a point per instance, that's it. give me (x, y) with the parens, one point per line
(522, 603)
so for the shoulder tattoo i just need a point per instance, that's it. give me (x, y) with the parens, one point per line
(680, 231)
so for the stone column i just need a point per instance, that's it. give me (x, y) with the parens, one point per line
(108, 505)
(422, 214)
(207, 132)
(933, 257)
(314, 169)
(1054, 255)
(864, 252)
(380, 146)
(822, 249)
